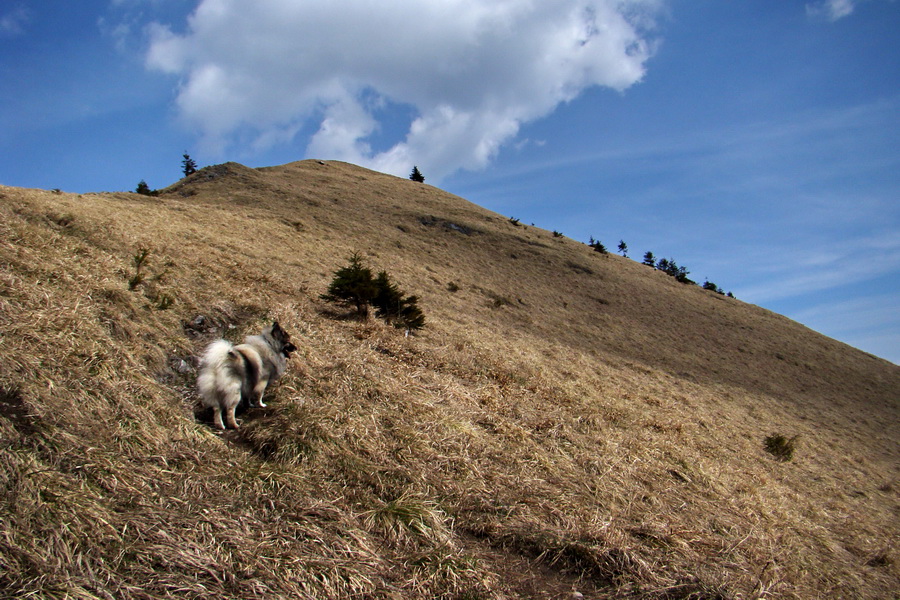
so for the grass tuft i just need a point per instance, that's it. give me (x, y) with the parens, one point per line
(408, 516)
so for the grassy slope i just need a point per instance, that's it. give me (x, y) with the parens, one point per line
(566, 420)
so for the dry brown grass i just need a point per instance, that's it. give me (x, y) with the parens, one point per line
(565, 421)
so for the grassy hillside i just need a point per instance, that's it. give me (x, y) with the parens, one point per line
(566, 420)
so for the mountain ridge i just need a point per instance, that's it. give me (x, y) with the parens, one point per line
(565, 419)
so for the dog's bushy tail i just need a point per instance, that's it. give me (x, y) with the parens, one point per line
(218, 354)
(220, 369)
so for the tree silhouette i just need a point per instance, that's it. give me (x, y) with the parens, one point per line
(623, 248)
(709, 285)
(597, 245)
(143, 189)
(188, 165)
(669, 267)
(416, 175)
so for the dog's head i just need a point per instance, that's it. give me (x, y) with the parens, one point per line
(282, 339)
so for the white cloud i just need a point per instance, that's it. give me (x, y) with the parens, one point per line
(838, 9)
(873, 313)
(473, 71)
(870, 323)
(831, 9)
(787, 272)
(13, 22)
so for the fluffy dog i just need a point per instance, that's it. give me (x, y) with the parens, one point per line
(234, 375)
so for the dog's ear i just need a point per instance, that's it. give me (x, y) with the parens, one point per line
(288, 348)
(279, 333)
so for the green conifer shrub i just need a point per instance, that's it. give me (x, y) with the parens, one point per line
(143, 189)
(352, 285)
(598, 246)
(671, 268)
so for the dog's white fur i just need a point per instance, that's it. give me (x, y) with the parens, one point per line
(221, 378)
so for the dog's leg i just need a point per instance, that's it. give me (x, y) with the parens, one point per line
(217, 417)
(258, 392)
(230, 421)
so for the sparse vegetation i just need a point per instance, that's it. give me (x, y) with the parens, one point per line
(514, 221)
(623, 248)
(557, 234)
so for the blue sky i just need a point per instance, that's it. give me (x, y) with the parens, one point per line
(757, 143)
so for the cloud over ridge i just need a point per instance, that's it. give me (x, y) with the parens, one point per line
(471, 71)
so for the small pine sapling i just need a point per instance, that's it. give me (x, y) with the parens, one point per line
(352, 285)
(139, 260)
(598, 246)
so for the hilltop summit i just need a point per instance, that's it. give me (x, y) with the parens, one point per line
(567, 420)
